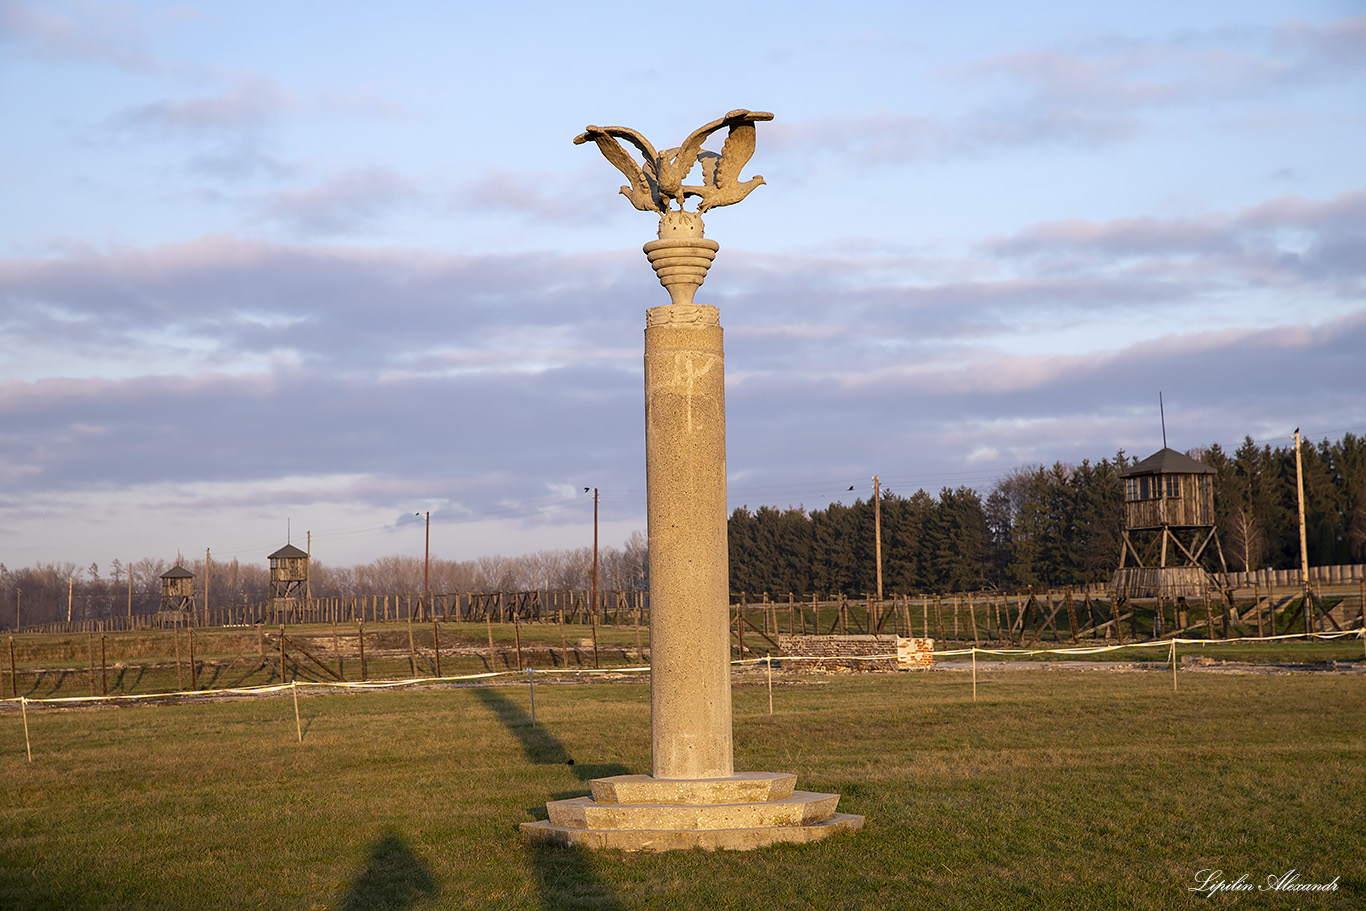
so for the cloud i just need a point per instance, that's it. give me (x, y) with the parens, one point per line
(529, 195)
(251, 103)
(347, 203)
(1088, 93)
(1323, 51)
(239, 160)
(1288, 240)
(101, 32)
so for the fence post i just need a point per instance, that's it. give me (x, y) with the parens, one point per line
(436, 643)
(179, 680)
(336, 643)
(564, 643)
(412, 646)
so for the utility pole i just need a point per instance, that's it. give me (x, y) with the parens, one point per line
(427, 569)
(18, 596)
(1304, 550)
(130, 595)
(877, 534)
(595, 551)
(206, 581)
(70, 584)
(308, 570)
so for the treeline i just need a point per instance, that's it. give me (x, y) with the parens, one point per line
(1050, 526)
(39, 594)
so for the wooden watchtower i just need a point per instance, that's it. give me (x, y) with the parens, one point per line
(177, 589)
(288, 577)
(1168, 529)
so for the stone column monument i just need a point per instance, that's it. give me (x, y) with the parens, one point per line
(694, 797)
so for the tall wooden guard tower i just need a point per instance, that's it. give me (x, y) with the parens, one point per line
(288, 578)
(1168, 529)
(177, 595)
(177, 589)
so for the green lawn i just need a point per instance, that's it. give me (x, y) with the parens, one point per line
(1057, 789)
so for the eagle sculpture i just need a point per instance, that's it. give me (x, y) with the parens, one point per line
(657, 183)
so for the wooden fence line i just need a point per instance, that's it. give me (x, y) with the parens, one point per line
(983, 617)
(613, 608)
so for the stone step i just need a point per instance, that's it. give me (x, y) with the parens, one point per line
(742, 787)
(648, 840)
(797, 809)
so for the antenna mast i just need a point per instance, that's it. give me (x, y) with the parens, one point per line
(1163, 412)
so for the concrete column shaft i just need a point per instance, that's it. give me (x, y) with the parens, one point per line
(685, 459)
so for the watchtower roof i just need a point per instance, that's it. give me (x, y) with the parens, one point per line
(289, 551)
(1166, 461)
(177, 572)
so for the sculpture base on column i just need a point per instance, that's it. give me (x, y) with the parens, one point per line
(641, 813)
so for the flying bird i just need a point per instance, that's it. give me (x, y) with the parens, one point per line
(643, 192)
(721, 173)
(673, 165)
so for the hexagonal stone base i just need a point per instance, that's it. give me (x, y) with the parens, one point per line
(742, 787)
(641, 813)
(673, 840)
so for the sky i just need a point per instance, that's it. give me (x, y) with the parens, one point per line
(303, 271)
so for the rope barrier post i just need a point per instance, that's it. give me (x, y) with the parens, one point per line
(23, 707)
(974, 674)
(488, 622)
(1173, 665)
(768, 659)
(298, 725)
(360, 642)
(531, 682)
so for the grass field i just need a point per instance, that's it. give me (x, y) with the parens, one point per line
(1057, 789)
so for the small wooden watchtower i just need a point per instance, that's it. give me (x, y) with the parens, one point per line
(1168, 528)
(177, 590)
(288, 575)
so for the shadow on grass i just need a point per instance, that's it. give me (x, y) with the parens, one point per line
(394, 878)
(540, 746)
(564, 875)
(566, 879)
